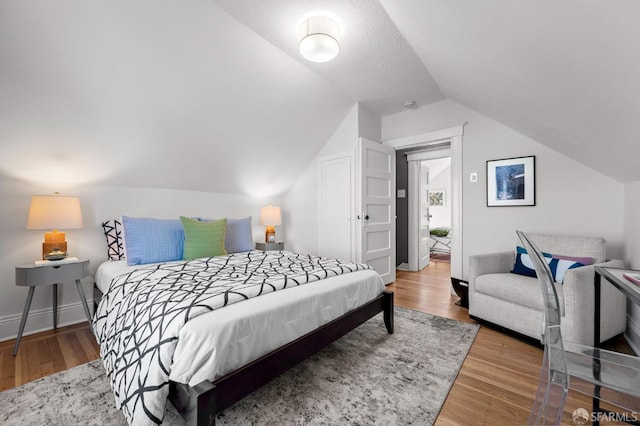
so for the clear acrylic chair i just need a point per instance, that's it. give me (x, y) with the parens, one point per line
(606, 376)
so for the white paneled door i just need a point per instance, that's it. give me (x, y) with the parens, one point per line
(376, 207)
(336, 233)
(425, 237)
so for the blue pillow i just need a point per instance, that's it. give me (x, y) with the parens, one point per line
(238, 237)
(152, 240)
(557, 264)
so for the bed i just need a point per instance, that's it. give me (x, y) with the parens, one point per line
(222, 355)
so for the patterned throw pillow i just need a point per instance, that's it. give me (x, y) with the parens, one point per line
(558, 264)
(113, 233)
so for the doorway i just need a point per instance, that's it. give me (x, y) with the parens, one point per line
(429, 184)
(449, 138)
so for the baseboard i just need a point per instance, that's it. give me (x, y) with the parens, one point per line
(632, 335)
(42, 320)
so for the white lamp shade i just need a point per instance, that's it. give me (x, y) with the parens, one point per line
(319, 42)
(270, 216)
(54, 212)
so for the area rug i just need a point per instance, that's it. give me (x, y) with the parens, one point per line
(366, 377)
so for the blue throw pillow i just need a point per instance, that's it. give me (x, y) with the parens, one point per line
(524, 265)
(152, 240)
(558, 265)
(238, 237)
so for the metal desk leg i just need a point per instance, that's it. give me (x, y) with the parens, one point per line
(596, 345)
(84, 301)
(23, 321)
(55, 306)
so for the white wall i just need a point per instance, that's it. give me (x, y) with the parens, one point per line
(369, 124)
(21, 246)
(302, 200)
(570, 197)
(632, 253)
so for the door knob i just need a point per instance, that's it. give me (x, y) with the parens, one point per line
(366, 217)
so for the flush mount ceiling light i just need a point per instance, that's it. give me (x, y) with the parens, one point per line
(319, 39)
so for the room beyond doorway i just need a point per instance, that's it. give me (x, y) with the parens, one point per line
(426, 174)
(434, 211)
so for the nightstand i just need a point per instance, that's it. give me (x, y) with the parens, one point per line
(270, 246)
(50, 274)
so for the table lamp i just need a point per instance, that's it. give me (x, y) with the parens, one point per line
(270, 217)
(54, 212)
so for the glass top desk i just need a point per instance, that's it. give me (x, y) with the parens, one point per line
(614, 276)
(631, 290)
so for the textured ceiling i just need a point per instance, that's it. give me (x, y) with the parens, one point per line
(376, 66)
(212, 95)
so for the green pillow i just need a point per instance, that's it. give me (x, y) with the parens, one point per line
(439, 232)
(203, 239)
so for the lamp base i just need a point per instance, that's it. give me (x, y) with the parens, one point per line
(50, 250)
(270, 234)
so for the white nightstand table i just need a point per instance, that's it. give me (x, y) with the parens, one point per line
(33, 276)
(270, 246)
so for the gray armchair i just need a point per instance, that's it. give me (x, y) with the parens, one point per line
(515, 302)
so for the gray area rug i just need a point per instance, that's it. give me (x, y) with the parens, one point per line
(366, 377)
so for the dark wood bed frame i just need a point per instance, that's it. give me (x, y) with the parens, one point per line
(200, 404)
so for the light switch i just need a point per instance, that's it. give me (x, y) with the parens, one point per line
(473, 177)
(402, 193)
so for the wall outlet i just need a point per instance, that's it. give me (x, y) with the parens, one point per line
(402, 193)
(473, 177)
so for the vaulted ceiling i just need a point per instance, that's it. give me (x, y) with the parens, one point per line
(212, 94)
(565, 73)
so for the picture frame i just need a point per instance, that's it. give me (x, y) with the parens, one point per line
(436, 198)
(511, 182)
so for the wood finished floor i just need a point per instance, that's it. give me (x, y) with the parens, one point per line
(496, 384)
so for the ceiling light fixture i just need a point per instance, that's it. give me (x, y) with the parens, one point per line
(319, 39)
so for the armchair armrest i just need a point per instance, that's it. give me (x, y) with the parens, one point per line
(489, 263)
(584, 274)
(579, 303)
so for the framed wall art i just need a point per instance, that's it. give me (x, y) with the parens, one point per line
(511, 182)
(436, 197)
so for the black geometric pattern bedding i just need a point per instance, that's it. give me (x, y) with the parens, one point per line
(139, 318)
(113, 233)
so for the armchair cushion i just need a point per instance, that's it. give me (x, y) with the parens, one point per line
(514, 288)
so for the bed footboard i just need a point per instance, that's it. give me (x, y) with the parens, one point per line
(200, 404)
